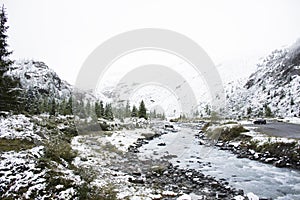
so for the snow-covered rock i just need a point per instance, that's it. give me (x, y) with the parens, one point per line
(37, 79)
(38, 76)
(18, 127)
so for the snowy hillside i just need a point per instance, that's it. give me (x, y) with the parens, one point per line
(275, 84)
(38, 76)
(41, 80)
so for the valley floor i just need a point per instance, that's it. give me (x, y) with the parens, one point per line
(44, 157)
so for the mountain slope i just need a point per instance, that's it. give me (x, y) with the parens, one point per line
(39, 80)
(39, 77)
(275, 85)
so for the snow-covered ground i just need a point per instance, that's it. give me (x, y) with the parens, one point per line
(19, 170)
(26, 172)
(18, 127)
(123, 139)
(294, 120)
(96, 154)
(262, 138)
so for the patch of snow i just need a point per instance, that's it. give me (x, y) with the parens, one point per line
(262, 138)
(123, 139)
(17, 127)
(184, 197)
(235, 144)
(252, 196)
(293, 120)
(169, 193)
(67, 194)
(239, 197)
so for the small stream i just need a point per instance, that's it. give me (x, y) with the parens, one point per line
(262, 179)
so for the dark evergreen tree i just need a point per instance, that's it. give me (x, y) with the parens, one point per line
(292, 101)
(31, 105)
(62, 107)
(10, 91)
(134, 112)
(53, 107)
(45, 105)
(81, 109)
(163, 116)
(69, 106)
(108, 114)
(249, 111)
(4, 53)
(99, 109)
(268, 112)
(142, 110)
(207, 110)
(127, 110)
(88, 108)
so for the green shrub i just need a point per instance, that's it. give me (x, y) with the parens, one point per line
(57, 149)
(107, 192)
(232, 133)
(15, 144)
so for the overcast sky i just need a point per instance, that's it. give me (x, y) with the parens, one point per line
(64, 33)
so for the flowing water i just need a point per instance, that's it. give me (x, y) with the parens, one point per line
(262, 179)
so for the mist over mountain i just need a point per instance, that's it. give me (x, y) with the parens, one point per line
(274, 87)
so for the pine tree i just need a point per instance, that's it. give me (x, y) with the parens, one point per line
(249, 111)
(69, 106)
(10, 90)
(292, 101)
(108, 114)
(154, 114)
(101, 109)
(134, 112)
(53, 107)
(127, 110)
(207, 110)
(44, 105)
(268, 112)
(142, 113)
(40, 105)
(97, 109)
(163, 116)
(62, 107)
(81, 109)
(4, 53)
(88, 108)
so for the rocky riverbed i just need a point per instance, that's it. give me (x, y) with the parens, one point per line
(134, 178)
(280, 152)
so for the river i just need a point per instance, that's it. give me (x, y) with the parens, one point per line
(252, 176)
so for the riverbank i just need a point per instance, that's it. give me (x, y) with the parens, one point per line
(184, 151)
(115, 161)
(247, 143)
